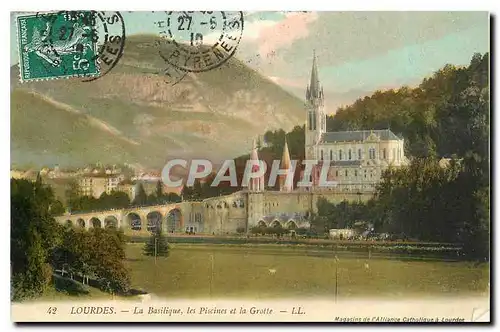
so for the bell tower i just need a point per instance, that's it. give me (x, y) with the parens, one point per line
(315, 113)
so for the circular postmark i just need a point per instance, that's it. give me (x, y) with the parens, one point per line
(109, 36)
(200, 41)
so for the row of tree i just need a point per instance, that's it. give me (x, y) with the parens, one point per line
(448, 113)
(158, 197)
(423, 201)
(97, 254)
(277, 230)
(40, 246)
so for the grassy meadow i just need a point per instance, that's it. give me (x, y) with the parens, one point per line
(202, 271)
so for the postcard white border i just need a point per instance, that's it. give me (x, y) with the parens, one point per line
(30, 5)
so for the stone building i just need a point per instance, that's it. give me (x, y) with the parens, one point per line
(357, 158)
(96, 184)
(92, 186)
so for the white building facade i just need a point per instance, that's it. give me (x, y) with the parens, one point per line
(357, 158)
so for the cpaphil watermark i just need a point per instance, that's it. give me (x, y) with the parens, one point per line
(254, 169)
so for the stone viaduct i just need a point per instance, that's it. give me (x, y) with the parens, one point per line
(237, 212)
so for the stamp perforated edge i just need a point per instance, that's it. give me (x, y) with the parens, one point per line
(51, 78)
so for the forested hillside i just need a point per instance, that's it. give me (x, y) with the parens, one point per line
(446, 114)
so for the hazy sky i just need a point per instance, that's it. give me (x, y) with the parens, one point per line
(358, 52)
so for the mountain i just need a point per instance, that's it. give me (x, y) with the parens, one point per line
(133, 115)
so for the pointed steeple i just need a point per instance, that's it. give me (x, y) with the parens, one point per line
(285, 159)
(314, 88)
(285, 165)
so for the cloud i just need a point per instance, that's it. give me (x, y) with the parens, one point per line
(254, 29)
(293, 83)
(251, 31)
(272, 37)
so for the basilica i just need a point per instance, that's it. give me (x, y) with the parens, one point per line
(356, 162)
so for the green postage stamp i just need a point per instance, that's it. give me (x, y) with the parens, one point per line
(57, 44)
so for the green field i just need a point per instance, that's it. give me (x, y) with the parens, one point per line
(202, 271)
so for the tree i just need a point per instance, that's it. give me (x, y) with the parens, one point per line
(107, 259)
(119, 199)
(72, 256)
(319, 223)
(173, 198)
(72, 194)
(38, 181)
(97, 254)
(141, 198)
(258, 230)
(57, 208)
(157, 244)
(193, 193)
(34, 234)
(39, 245)
(159, 192)
(187, 193)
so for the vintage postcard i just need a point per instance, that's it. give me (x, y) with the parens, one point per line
(212, 166)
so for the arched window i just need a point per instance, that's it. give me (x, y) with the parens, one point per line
(340, 154)
(384, 154)
(359, 154)
(337, 173)
(346, 174)
(355, 172)
(350, 154)
(331, 154)
(372, 153)
(321, 154)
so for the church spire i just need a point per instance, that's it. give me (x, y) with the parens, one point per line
(285, 159)
(314, 87)
(285, 165)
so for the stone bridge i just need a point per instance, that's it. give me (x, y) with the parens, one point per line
(175, 217)
(234, 213)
